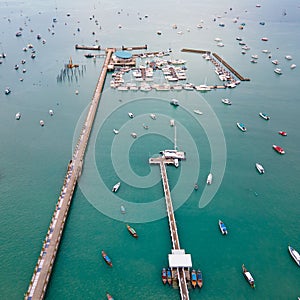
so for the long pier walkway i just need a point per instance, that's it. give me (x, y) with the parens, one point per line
(42, 272)
(184, 293)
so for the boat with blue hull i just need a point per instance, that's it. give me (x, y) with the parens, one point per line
(199, 279)
(194, 278)
(106, 258)
(223, 228)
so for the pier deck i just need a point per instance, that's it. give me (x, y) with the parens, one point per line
(42, 272)
(184, 293)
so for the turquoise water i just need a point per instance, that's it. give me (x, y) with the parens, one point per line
(261, 212)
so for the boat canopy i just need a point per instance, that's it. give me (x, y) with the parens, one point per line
(249, 277)
(179, 258)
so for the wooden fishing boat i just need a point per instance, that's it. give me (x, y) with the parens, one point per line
(164, 275)
(106, 258)
(248, 276)
(194, 278)
(199, 279)
(169, 276)
(132, 231)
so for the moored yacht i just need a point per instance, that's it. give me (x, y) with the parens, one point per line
(226, 101)
(174, 102)
(278, 71)
(42, 123)
(131, 115)
(51, 113)
(260, 168)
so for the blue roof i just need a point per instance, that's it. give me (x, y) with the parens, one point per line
(123, 54)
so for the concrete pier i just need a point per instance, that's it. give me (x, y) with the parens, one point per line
(42, 272)
(179, 270)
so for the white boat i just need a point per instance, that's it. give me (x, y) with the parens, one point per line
(42, 123)
(133, 134)
(278, 71)
(176, 162)
(209, 178)
(275, 62)
(202, 88)
(295, 255)
(220, 45)
(288, 57)
(116, 131)
(116, 187)
(198, 112)
(131, 115)
(241, 126)
(18, 116)
(153, 116)
(51, 113)
(174, 102)
(264, 116)
(7, 91)
(226, 101)
(260, 168)
(293, 66)
(172, 122)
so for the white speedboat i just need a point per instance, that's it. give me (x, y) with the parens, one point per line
(295, 255)
(209, 178)
(264, 116)
(275, 62)
(241, 126)
(172, 122)
(260, 168)
(198, 112)
(293, 66)
(278, 71)
(226, 101)
(131, 115)
(116, 187)
(42, 123)
(134, 135)
(116, 131)
(18, 116)
(51, 113)
(288, 57)
(174, 102)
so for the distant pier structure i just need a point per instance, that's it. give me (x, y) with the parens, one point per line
(220, 59)
(179, 262)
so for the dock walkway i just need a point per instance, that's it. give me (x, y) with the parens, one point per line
(184, 293)
(42, 272)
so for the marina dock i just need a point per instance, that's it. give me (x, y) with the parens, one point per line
(42, 271)
(178, 260)
(220, 59)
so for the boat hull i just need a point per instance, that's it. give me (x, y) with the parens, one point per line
(106, 258)
(295, 255)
